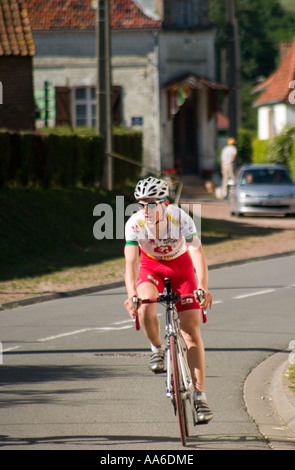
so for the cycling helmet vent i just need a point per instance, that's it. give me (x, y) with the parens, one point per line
(151, 188)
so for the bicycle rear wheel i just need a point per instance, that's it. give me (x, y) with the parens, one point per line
(180, 402)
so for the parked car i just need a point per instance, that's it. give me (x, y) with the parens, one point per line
(262, 189)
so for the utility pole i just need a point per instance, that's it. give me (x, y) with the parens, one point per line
(233, 68)
(104, 86)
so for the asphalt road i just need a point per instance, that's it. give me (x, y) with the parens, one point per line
(75, 376)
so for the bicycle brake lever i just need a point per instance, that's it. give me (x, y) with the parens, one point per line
(200, 294)
(135, 301)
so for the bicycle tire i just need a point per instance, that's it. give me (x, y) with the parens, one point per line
(179, 401)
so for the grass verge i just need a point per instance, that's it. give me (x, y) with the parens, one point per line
(292, 378)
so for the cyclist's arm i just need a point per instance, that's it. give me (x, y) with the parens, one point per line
(131, 269)
(200, 265)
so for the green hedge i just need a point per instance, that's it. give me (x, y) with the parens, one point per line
(279, 149)
(292, 160)
(259, 151)
(64, 159)
(244, 146)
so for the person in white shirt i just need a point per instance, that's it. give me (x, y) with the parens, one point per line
(169, 247)
(228, 156)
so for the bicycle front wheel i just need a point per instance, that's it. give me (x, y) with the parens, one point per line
(178, 388)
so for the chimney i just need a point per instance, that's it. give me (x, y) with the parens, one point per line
(284, 49)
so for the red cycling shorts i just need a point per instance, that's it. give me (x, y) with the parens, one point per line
(179, 270)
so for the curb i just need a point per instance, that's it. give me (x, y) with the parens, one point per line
(282, 397)
(91, 290)
(270, 403)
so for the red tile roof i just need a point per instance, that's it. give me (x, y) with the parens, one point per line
(222, 121)
(15, 31)
(275, 89)
(80, 14)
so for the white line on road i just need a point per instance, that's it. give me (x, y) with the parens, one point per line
(10, 349)
(76, 332)
(251, 294)
(122, 322)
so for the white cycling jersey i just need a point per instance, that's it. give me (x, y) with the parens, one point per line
(179, 227)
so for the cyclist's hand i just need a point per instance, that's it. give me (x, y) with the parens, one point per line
(206, 301)
(130, 307)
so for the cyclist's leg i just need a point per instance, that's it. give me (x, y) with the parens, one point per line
(190, 330)
(148, 313)
(151, 326)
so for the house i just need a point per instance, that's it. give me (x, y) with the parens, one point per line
(17, 106)
(163, 73)
(275, 102)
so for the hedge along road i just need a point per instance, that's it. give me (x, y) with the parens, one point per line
(75, 375)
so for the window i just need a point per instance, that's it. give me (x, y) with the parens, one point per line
(85, 107)
(184, 16)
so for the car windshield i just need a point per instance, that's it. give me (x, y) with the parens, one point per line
(265, 176)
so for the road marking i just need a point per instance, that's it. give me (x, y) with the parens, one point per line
(49, 338)
(10, 349)
(76, 332)
(122, 322)
(111, 328)
(215, 302)
(251, 294)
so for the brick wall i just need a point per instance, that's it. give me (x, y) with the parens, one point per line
(18, 108)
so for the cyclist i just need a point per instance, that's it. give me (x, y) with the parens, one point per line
(169, 247)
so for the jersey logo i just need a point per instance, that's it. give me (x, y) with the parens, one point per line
(186, 301)
(155, 281)
(163, 249)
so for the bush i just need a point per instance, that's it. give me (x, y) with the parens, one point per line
(244, 146)
(279, 148)
(64, 158)
(127, 144)
(5, 157)
(292, 160)
(259, 151)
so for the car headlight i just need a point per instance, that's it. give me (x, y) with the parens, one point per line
(243, 195)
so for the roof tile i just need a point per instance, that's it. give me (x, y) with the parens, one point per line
(80, 14)
(275, 89)
(15, 31)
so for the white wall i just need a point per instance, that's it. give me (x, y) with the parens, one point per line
(142, 62)
(273, 118)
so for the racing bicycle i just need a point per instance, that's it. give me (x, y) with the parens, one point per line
(179, 384)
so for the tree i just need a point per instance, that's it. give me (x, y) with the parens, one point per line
(262, 25)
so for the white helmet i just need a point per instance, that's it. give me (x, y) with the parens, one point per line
(151, 188)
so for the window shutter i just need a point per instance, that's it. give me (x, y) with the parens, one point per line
(63, 106)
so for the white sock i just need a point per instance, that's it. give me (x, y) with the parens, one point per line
(154, 348)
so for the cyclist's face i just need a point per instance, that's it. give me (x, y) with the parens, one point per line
(152, 208)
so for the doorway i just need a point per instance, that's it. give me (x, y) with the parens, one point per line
(185, 136)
